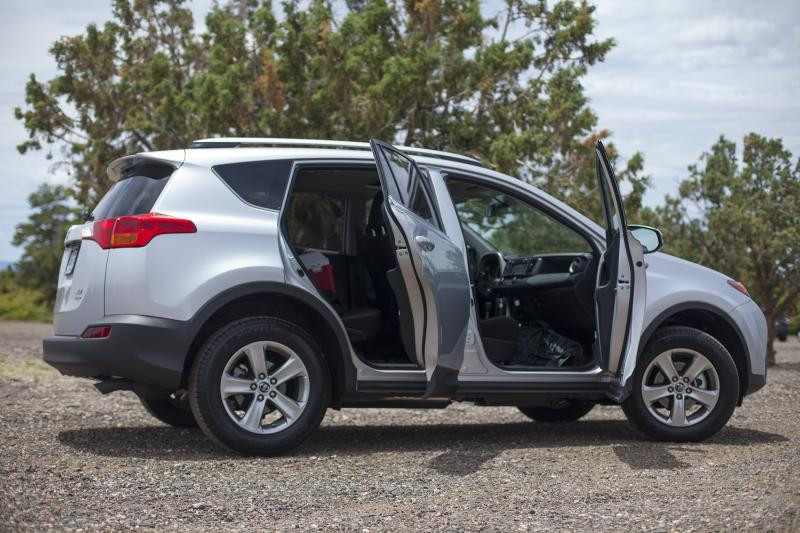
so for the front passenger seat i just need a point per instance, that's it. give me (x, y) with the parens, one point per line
(376, 250)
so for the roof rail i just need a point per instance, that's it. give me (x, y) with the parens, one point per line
(234, 142)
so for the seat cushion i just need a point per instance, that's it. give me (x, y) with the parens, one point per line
(362, 323)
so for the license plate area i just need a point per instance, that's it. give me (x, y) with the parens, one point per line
(72, 259)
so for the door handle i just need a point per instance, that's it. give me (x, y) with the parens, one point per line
(424, 243)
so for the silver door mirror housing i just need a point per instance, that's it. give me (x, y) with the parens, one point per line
(650, 238)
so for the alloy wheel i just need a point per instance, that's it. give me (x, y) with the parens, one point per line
(680, 387)
(264, 387)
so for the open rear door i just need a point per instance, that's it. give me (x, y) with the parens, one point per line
(621, 283)
(432, 280)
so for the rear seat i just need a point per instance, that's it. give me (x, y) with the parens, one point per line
(361, 323)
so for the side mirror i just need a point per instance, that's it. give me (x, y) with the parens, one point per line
(650, 238)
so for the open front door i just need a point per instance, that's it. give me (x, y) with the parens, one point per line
(621, 283)
(432, 285)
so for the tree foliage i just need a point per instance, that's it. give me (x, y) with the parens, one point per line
(742, 219)
(443, 74)
(42, 237)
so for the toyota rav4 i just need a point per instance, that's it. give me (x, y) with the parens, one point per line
(246, 285)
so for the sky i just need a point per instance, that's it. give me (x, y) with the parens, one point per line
(682, 73)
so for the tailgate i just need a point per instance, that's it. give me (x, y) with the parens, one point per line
(81, 283)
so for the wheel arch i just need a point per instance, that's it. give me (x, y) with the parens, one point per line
(709, 319)
(281, 301)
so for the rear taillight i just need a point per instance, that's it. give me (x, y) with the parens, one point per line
(96, 332)
(134, 231)
(739, 287)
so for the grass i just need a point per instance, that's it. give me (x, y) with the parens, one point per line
(27, 369)
(25, 305)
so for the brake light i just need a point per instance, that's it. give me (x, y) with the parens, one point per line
(134, 231)
(96, 332)
(739, 287)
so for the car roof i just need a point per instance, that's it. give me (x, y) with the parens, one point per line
(276, 142)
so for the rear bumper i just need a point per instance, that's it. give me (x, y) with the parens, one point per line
(143, 349)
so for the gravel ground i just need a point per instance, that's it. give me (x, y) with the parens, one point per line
(71, 458)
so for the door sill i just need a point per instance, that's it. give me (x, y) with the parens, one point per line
(489, 389)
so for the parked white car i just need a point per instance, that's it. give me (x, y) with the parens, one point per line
(246, 285)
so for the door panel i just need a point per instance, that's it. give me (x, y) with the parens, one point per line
(445, 288)
(621, 282)
(434, 274)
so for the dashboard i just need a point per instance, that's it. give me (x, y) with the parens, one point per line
(546, 271)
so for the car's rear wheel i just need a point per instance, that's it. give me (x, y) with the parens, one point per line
(173, 410)
(259, 386)
(558, 410)
(685, 386)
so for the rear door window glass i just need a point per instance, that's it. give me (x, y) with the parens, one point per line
(260, 183)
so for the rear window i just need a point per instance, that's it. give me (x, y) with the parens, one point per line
(260, 183)
(135, 193)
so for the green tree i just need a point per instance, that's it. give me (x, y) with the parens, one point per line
(504, 86)
(743, 220)
(42, 237)
(573, 179)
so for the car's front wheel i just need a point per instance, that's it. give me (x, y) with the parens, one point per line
(259, 386)
(685, 386)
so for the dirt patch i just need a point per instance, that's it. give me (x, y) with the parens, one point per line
(71, 458)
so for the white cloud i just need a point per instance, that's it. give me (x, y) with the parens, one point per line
(683, 73)
(722, 29)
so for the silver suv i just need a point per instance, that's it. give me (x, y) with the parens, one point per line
(246, 285)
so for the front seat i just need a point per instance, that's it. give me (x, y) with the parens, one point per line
(376, 250)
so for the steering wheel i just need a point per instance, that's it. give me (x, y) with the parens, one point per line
(488, 273)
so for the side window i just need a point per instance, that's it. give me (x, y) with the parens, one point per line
(409, 185)
(260, 183)
(512, 226)
(401, 169)
(421, 204)
(316, 220)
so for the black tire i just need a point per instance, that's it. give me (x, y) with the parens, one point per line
(675, 338)
(171, 411)
(560, 410)
(204, 385)
(783, 336)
